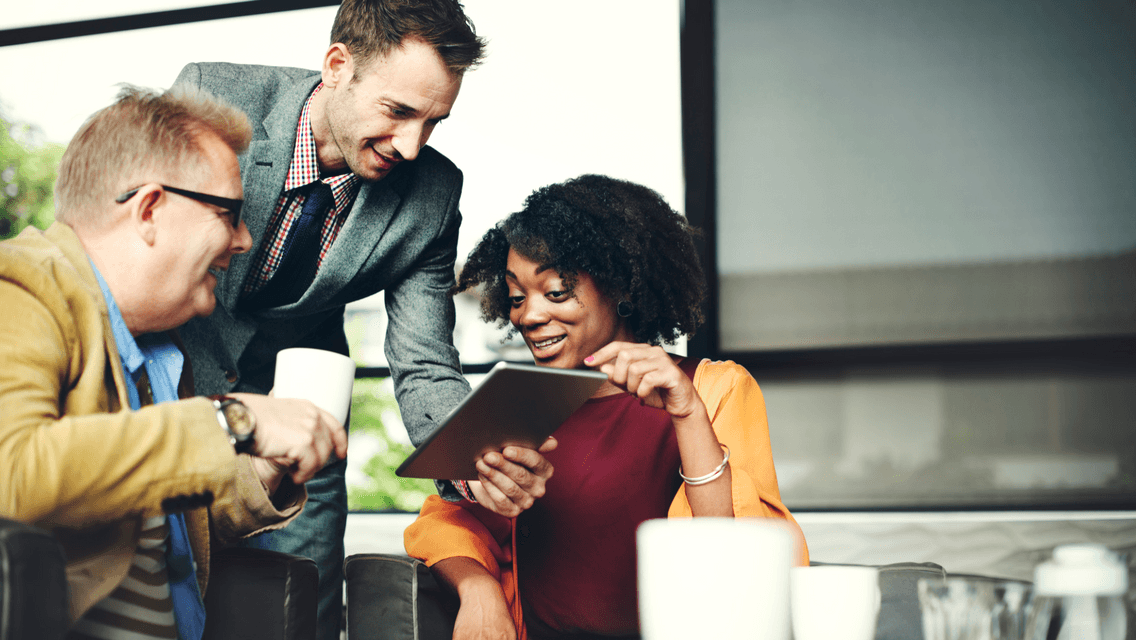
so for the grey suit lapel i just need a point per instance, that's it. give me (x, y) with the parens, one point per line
(263, 169)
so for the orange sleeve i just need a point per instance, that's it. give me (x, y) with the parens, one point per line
(737, 412)
(464, 529)
(460, 529)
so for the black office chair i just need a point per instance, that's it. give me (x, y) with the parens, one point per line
(252, 593)
(33, 588)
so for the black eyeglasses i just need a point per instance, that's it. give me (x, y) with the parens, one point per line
(232, 205)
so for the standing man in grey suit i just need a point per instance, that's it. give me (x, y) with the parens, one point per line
(343, 199)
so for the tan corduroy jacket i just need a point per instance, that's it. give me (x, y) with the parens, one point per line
(75, 460)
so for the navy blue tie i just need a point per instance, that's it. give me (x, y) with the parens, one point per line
(300, 253)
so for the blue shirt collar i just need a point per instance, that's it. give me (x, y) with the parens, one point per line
(161, 357)
(128, 350)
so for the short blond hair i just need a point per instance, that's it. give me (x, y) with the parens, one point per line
(145, 135)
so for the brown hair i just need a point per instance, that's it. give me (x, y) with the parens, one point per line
(372, 28)
(144, 135)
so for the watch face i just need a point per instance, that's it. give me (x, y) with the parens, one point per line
(239, 419)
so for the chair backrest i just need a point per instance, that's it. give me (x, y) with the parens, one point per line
(393, 597)
(33, 584)
(255, 594)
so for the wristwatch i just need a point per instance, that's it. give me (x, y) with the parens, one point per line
(237, 420)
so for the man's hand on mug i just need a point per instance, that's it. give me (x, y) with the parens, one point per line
(510, 481)
(296, 437)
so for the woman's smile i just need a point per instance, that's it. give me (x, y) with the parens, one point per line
(543, 345)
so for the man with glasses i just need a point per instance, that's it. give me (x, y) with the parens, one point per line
(101, 441)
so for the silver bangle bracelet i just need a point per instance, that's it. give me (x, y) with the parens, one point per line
(710, 477)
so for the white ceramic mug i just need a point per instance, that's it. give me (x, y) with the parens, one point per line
(720, 578)
(835, 603)
(325, 378)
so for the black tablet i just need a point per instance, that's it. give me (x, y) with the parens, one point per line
(516, 404)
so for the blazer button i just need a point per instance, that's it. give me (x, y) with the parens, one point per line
(230, 375)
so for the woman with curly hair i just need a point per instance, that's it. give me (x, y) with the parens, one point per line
(597, 273)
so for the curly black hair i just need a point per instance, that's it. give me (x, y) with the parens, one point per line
(624, 235)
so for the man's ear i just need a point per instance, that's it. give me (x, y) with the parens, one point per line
(338, 65)
(144, 212)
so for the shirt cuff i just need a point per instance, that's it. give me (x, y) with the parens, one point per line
(463, 488)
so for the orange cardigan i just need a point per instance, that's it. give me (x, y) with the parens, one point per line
(737, 413)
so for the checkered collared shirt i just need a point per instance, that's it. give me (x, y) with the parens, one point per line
(303, 171)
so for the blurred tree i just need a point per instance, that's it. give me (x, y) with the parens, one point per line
(28, 168)
(371, 402)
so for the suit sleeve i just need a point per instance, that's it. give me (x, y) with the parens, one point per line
(419, 340)
(67, 461)
(737, 412)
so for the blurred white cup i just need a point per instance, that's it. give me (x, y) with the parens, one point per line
(835, 603)
(325, 378)
(720, 578)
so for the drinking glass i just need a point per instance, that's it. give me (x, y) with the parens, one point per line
(960, 608)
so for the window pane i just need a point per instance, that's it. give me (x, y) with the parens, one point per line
(925, 172)
(378, 443)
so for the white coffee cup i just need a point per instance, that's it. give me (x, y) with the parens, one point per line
(325, 378)
(721, 578)
(835, 603)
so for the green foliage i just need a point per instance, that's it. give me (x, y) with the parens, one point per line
(27, 178)
(383, 490)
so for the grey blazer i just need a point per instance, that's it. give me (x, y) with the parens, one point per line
(400, 237)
